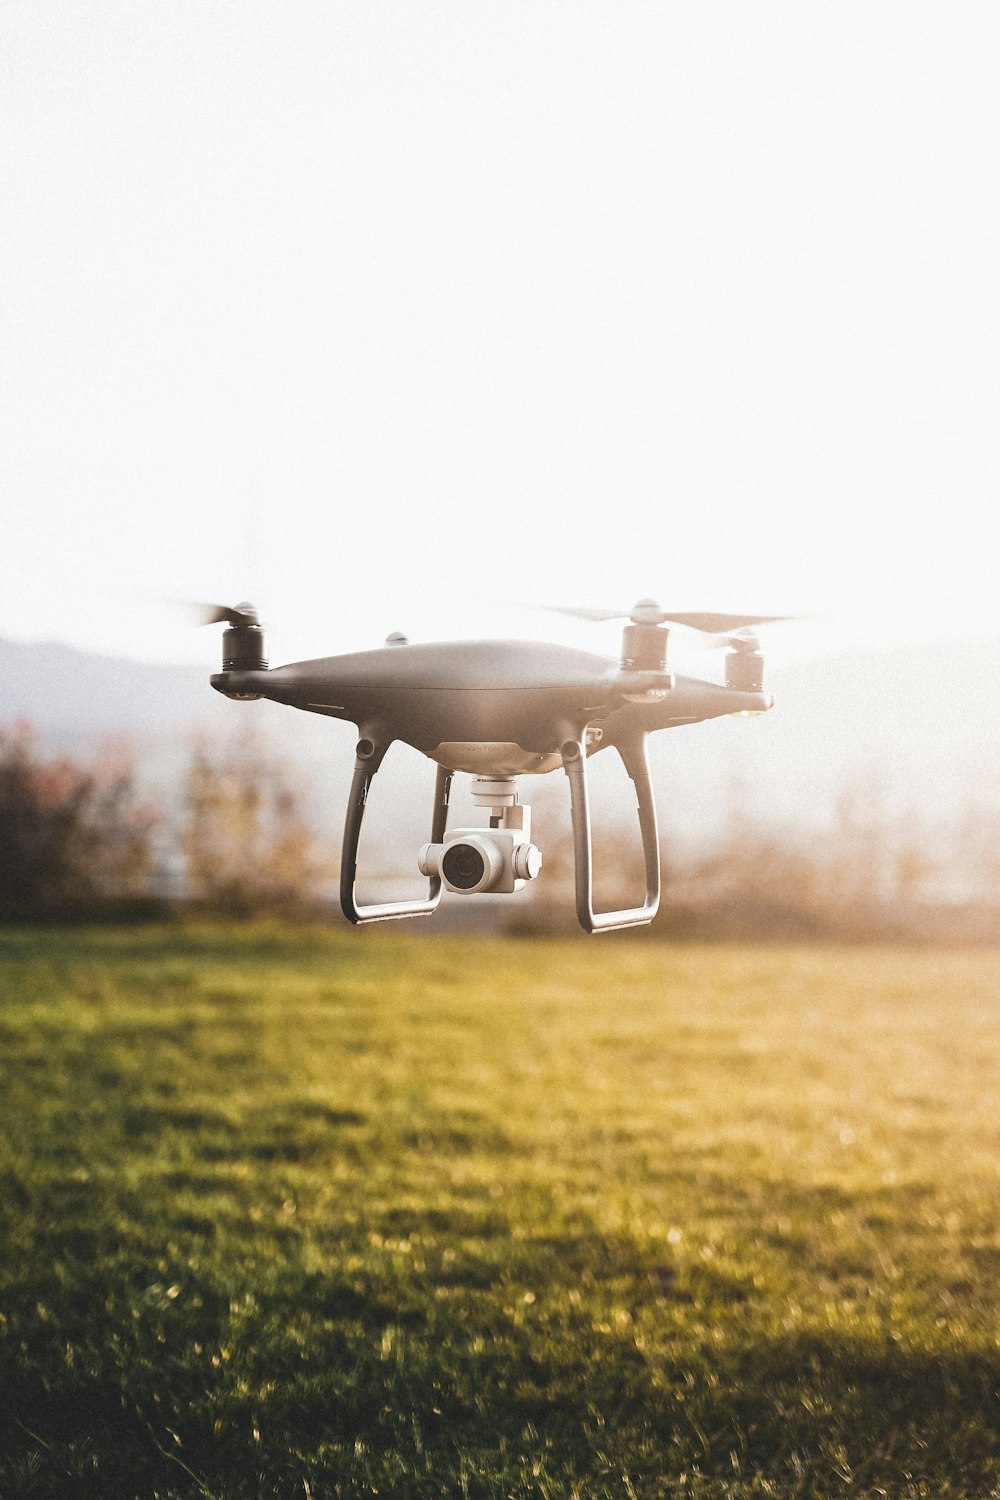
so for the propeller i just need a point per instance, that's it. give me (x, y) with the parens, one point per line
(237, 615)
(737, 640)
(650, 612)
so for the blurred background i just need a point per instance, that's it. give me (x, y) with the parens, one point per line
(413, 319)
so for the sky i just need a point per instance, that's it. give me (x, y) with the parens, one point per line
(406, 317)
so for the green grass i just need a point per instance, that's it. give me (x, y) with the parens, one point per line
(292, 1213)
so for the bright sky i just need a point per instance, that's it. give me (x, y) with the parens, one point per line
(390, 316)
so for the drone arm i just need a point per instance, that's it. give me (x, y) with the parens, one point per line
(635, 758)
(364, 772)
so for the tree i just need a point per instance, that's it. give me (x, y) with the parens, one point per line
(72, 838)
(247, 843)
(977, 842)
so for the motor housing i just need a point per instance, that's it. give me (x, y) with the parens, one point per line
(745, 669)
(244, 649)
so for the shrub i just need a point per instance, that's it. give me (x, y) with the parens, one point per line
(72, 838)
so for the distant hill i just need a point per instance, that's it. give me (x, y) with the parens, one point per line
(924, 720)
(77, 699)
(71, 695)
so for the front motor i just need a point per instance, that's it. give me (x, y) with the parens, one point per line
(244, 646)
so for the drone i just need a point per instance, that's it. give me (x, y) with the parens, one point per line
(498, 710)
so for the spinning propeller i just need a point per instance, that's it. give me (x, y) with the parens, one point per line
(650, 612)
(239, 616)
(737, 640)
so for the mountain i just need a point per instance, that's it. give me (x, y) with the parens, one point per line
(77, 699)
(73, 696)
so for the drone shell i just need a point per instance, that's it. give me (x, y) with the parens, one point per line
(522, 693)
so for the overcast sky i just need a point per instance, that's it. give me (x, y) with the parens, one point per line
(395, 315)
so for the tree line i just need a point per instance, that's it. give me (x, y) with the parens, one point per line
(81, 839)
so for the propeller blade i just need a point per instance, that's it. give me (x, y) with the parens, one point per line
(717, 624)
(738, 640)
(648, 612)
(217, 614)
(585, 614)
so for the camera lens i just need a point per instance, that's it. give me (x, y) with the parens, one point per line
(463, 867)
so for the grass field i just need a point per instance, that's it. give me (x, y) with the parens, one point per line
(322, 1214)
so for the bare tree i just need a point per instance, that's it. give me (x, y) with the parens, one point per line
(246, 839)
(977, 841)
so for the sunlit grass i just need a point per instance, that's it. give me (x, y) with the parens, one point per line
(302, 1213)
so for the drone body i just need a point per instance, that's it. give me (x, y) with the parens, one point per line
(497, 710)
